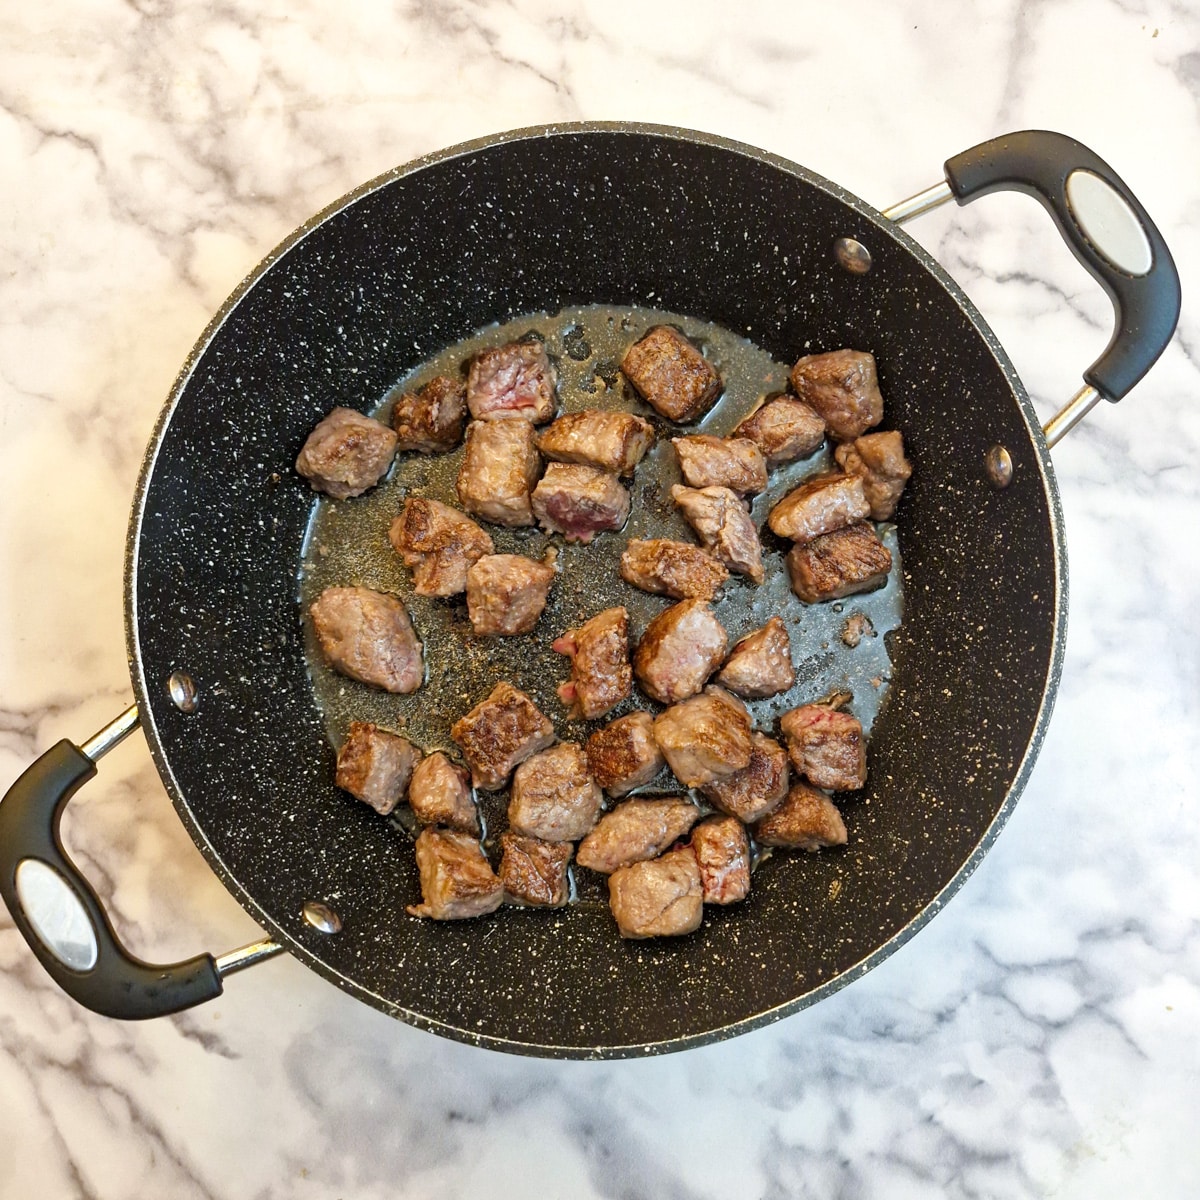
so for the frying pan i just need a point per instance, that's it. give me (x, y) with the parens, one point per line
(529, 222)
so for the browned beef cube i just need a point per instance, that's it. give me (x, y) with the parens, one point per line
(679, 651)
(534, 872)
(457, 880)
(676, 569)
(440, 794)
(879, 459)
(819, 506)
(671, 375)
(704, 738)
(735, 463)
(579, 502)
(554, 796)
(431, 420)
(506, 593)
(498, 471)
(826, 746)
(723, 855)
(806, 820)
(369, 637)
(724, 526)
(516, 380)
(375, 766)
(758, 788)
(843, 387)
(635, 831)
(439, 543)
(601, 676)
(608, 441)
(784, 429)
(659, 898)
(761, 663)
(500, 732)
(841, 563)
(624, 755)
(346, 454)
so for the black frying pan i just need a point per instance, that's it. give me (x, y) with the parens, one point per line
(529, 222)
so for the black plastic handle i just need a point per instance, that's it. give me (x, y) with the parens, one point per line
(1039, 163)
(118, 985)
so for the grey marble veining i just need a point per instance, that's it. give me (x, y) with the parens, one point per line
(1041, 1037)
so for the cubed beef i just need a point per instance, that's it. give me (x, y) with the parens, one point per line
(636, 830)
(369, 637)
(554, 796)
(671, 375)
(722, 852)
(534, 872)
(761, 663)
(506, 593)
(806, 820)
(784, 429)
(676, 569)
(843, 387)
(624, 755)
(516, 380)
(879, 459)
(837, 564)
(826, 746)
(819, 506)
(735, 463)
(680, 649)
(456, 878)
(608, 441)
(439, 543)
(579, 501)
(659, 898)
(346, 454)
(758, 788)
(440, 794)
(500, 732)
(601, 676)
(704, 738)
(724, 526)
(498, 471)
(431, 420)
(375, 766)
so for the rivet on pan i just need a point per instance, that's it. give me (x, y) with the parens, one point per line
(321, 917)
(999, 466)
(852, 255)
(183, 692)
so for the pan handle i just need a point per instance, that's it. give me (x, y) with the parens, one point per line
(60, 916)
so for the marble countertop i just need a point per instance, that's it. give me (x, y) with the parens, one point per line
(1040, 1038)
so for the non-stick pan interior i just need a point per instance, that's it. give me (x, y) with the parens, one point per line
(425, 258)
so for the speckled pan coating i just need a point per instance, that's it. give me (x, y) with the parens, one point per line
(529, 222)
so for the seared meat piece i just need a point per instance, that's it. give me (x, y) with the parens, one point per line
(676, 569)
(758, 787)
(856, 627)
(375, 766)
(735, 463)
(554, 796)
(346, 454)
(440, 794)
(671, 375)
(679, 651)
(516, 380)
(506, 593)
(498, 471)
(761, 663)
(723, 855)
(608, 441)
(819, 506)
(500, 732)
(839, 564)
(624, 755)
(600, 673)
(534, 872)
(369, 637)
(842, 386)
(704, 738)
(579, 501)
(724, 526)
(879, 459)
(784, 429)
(456, 878)
(826, 746)
(635, 831)
(439, 543)
(431, 420)
(806, 820)
(660, 898)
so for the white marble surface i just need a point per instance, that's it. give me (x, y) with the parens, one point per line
(1040, 1038)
